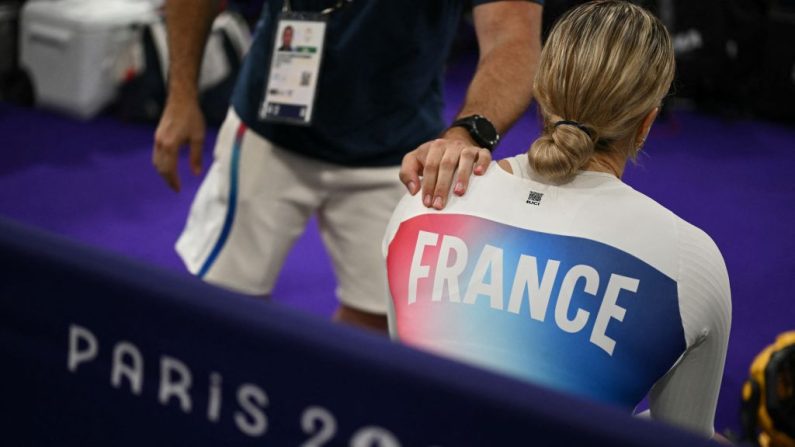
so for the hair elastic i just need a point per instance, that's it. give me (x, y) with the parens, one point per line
(575, 124)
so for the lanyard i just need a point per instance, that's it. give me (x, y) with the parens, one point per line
(339, 5)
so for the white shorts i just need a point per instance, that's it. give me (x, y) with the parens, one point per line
(256, 200)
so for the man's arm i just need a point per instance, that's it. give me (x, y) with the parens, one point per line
(509, 39)
(188, 25)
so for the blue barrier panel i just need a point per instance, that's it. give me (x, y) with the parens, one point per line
(97, 350)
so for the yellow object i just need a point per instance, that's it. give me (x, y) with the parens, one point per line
(783, 390)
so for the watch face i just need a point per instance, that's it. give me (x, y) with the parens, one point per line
(486, 130)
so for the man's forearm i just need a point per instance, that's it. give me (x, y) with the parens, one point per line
(502, 86)
(188, 24)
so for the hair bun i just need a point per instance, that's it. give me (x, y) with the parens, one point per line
(562, 151)
(592, 73)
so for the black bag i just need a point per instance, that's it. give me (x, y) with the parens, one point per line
(700, 36)
(776, 87)
(143, 94)
(721, 48)
(15, 86)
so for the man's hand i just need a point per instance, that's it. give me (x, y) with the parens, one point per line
(182, 123)
(438, 162)
(188, 24)
(509, 40)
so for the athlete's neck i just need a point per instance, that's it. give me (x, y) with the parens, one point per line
(611, 163)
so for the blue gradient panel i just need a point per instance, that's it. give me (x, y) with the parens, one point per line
(484, 324)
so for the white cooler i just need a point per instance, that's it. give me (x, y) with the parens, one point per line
(71, 49)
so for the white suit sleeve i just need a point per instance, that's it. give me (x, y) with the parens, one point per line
(687, 395)
(394, 223)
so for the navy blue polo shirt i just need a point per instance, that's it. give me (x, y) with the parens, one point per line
(380, 89)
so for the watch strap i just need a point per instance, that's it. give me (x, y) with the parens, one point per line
(469, 123)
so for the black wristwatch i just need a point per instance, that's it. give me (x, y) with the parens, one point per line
(480, 129)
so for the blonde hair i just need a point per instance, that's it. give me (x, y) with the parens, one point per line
(604, 67)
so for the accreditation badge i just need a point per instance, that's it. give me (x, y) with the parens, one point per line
(291, 87)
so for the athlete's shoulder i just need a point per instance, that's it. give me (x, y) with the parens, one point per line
(701, 260)
(697, 249)
(639, 204)
(409, 207)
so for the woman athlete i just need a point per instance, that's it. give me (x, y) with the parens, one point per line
(553, 270)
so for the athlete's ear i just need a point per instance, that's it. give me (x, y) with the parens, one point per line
(645, 127)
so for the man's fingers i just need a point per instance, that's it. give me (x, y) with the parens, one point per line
(411, 168)
(444, 178)
(482, 161)
(465, 166)
(172, 178)
(196, 147)
(181, 124)
(430, 172)
(169, 170)
(442, 159)
(165, 162)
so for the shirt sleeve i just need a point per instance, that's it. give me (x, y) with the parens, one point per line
(687, 395)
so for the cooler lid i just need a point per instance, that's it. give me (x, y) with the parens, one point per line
(90, 14)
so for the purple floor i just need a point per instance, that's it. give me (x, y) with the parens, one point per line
(93, 182)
